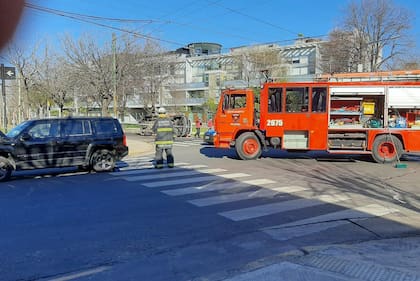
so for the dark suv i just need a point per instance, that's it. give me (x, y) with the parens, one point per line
(87, 142)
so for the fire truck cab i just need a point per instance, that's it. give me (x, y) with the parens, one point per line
(380, 118)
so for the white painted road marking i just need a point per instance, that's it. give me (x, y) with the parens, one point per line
(179, 173)
(81, 274)
(151, 169)
(203, 188)
(180, 181)
(194, 180)
(317, 224)
(227, 198)
(258, 181)
(273, 208)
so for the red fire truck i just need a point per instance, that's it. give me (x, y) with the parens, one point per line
(376, 114)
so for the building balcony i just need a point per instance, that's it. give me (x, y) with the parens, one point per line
(183, 101)
(193, 86)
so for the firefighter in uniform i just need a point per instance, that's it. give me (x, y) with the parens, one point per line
(163, 128)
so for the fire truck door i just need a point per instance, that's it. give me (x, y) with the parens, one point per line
(305, 118)
(236, 113)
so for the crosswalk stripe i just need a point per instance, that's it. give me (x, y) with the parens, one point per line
(173, 174)
(180, 181)
(228, 198)
(152, 170)
(289, 188)
(261, 193)
(137, 166)
(136, 160)
(320, 223)
(133, 162)
(372, 210)
(141, 158)
(203, 188)
(195, 179)
(284, 234)
(279, 207)
(182, 144)
(258, 181)
(235, 175)
(188, 143)
(143, 163)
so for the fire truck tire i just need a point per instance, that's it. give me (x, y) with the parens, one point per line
(386, 149)
(248, 147)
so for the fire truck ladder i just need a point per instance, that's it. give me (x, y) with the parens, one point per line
(396, 75)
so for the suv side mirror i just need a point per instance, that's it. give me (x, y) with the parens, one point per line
(25, 137)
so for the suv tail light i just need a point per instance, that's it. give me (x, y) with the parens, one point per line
(124, 140)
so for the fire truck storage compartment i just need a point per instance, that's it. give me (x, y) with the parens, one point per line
(347, 140)
(345, 111)
(401, 102)
(295, 140)
(357, 107)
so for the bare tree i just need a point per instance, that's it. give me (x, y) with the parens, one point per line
(153, 70)
(260, 59)
(335, 54)
(411, 62)
(54, 79)
(95, 68)
(128, 53)
(26, 70)
(379, 31)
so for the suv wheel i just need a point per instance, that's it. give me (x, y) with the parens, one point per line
(5, 169)
(103, 160)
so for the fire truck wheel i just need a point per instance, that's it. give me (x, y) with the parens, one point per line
(386, 149)
(248, 146)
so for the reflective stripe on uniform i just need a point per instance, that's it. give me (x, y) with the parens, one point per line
(164, 129)
(164, 142)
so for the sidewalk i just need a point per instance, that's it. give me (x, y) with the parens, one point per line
(379, 260)
(137, 146)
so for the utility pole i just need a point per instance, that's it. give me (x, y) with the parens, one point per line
(20, 103)
(114, 76)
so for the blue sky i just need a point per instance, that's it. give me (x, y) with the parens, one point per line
(177, 23)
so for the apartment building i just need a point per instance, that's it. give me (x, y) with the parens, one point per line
(200, 71)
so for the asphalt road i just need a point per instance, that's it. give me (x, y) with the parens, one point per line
(210, 218)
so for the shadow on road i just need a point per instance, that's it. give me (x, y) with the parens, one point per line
(213, 152)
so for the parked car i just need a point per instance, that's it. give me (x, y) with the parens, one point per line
(87, 142)
(209, 136)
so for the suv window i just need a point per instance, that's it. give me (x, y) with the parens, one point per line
(18, 129)
(76, 127)
(43, 130)
(105, 127)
